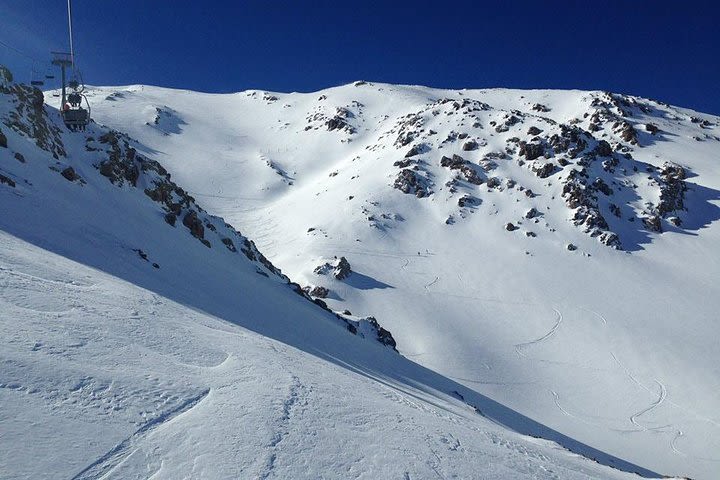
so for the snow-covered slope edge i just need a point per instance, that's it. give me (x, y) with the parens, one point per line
(479, 225)
(118, 358)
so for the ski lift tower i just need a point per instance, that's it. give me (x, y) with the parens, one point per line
(62, 60)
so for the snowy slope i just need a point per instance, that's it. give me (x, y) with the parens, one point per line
(104, 379)
(138, 347)
(596, 316)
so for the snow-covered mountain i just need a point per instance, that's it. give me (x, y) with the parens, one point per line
(553, 250)
(143, 336)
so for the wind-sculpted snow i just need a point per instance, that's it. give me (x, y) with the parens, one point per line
(473, 221)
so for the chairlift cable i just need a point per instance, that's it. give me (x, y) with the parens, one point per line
(72, 51)
(18, 51)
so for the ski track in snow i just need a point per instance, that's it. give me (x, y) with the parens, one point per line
(564, 411)
(599, 315)
(427, 287)
(520, 346)
(670, 402)
(296, 395)
(67, 284)
(105, 464)
(673, 446)
(652, 406)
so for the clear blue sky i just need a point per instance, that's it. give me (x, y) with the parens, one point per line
(668, 50)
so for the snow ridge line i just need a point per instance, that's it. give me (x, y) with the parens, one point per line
(520, 346)
(111, 459)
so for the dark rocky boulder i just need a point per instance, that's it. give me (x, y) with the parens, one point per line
(6, 181)
(411, 182)
(672, 188)
(534, 131)
(603, 149)
(467, 169)
(626, 131)
(600, 185)
(342, 269)
(532, 213)
(539, 107)
(229, 244)
(194, 224)
(70, 174)
(653, 223)
(317, 291)
(470, 145)
(544, 170)
(531, 151)
(468, 201)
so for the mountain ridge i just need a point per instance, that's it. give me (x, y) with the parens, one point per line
(477, 297)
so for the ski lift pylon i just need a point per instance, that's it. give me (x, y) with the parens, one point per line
(75, 116)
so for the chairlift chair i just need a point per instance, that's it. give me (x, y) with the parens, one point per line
(34, 78)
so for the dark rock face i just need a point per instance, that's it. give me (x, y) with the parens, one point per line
(544, 170)
(493, 182)
(383, 336)
(121, 164)
(6, 181)
(229, 244)
(470, 145)
(571, 247)
(340, 121)
(600, 185)
(468, 201)
(317, 291)
(3, 140)
(534, 131)
(194, 224)
(510, 227)
(508, 122)
(539, 107)
(603, 149)
(653, 223)
(653, 129)
(465, 167)
(571, 140)
(403, 163)
(531, 151)
(342, 269)
(415, 150)
(626, 131)
(6, 76)
(69, 174)
(672, 188)
(19, 157)
(409, 181)
(581, 197)
(28, 118)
